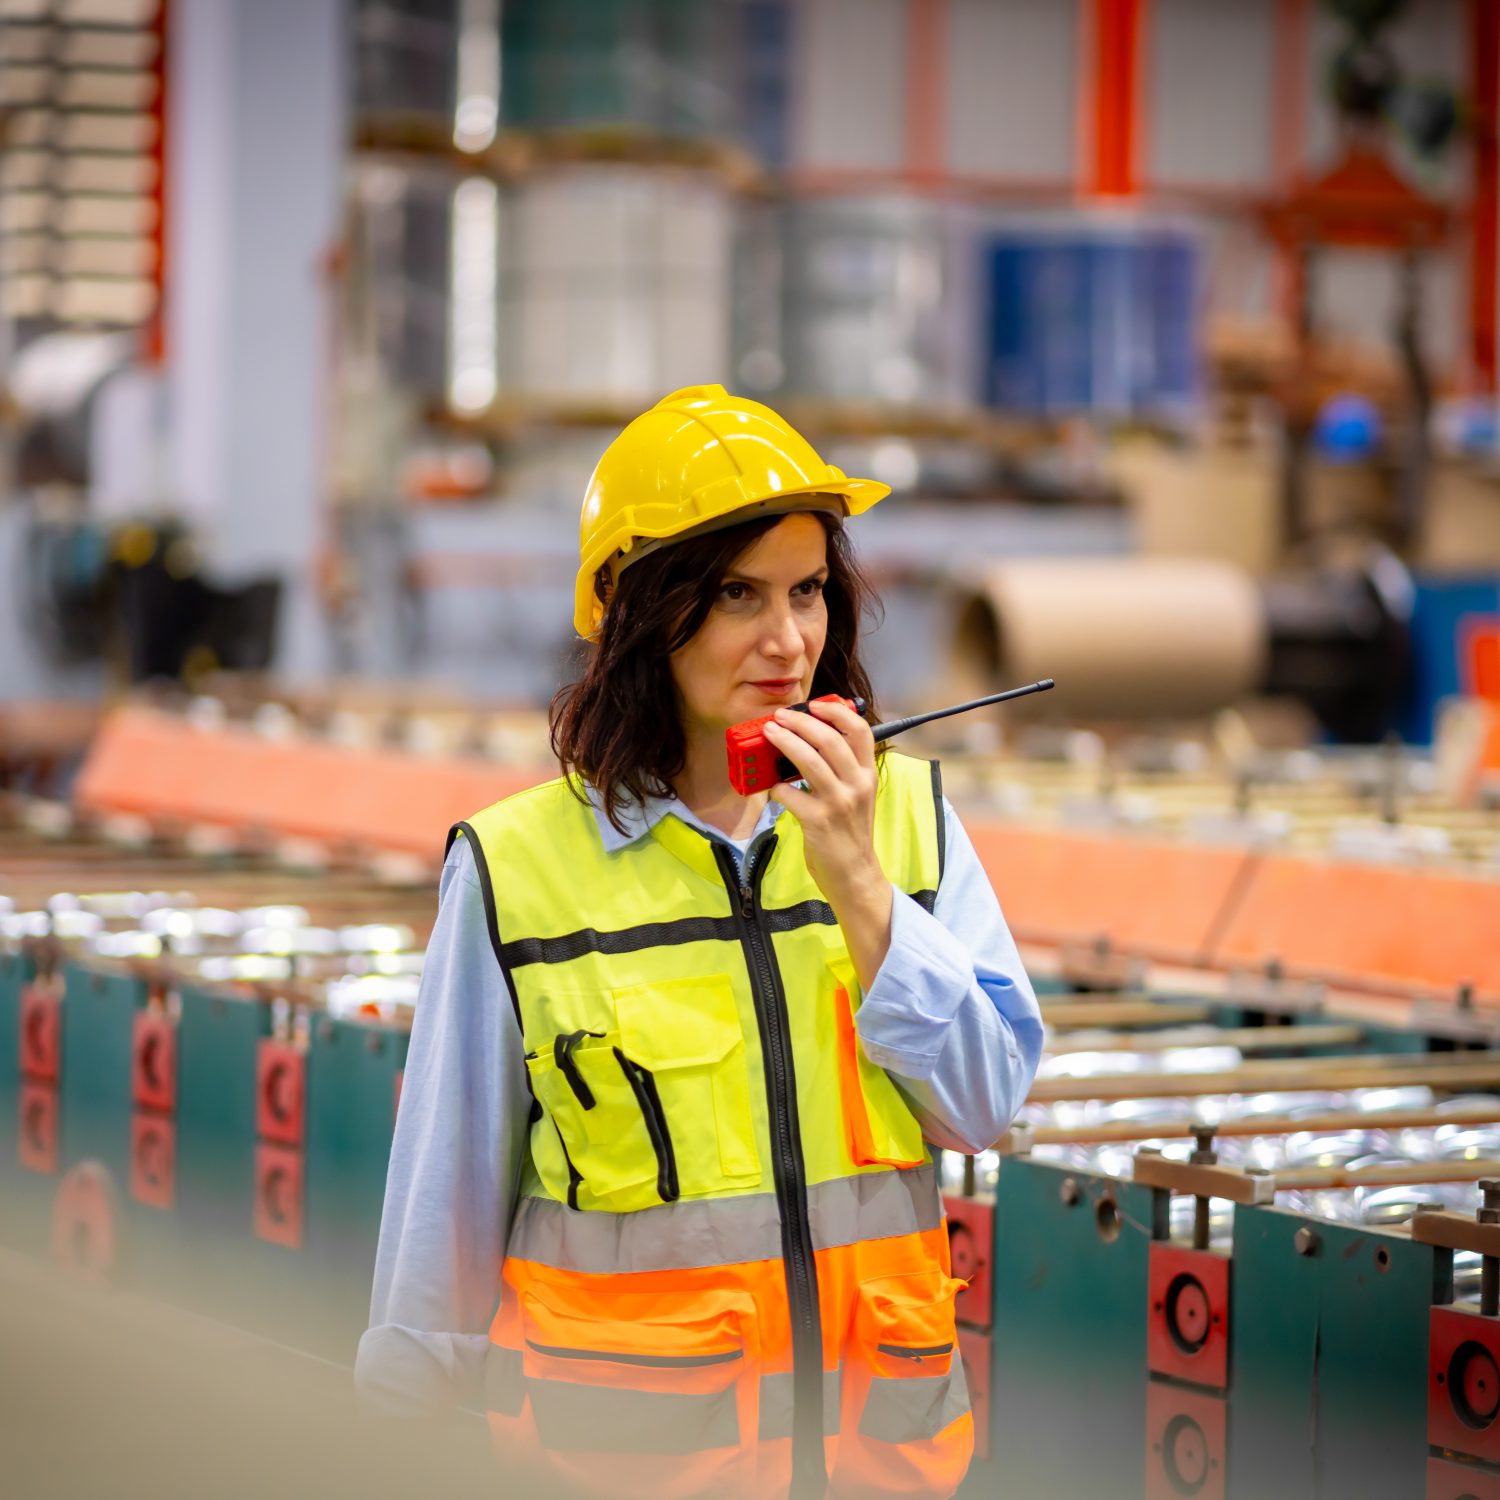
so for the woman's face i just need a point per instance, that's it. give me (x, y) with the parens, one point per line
(758, 647)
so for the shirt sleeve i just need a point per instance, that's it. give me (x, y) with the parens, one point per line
(951, 1015)
(455, 1164)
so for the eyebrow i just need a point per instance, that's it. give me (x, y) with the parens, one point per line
(819, 573)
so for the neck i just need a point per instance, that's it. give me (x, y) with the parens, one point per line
(703, 784)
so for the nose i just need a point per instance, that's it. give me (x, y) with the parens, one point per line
(781, 639)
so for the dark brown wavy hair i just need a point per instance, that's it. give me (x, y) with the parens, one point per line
(620, 724)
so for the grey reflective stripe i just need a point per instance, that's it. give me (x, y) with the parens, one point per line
(698, 1232)
(606, 1419)
(776, 1399)
(910, 1408)
(875, 1206)
(503, 1390)
(676, 1236)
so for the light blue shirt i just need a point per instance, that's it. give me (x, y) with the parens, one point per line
(951, 1017)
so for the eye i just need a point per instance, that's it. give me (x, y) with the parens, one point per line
(734, 593)
(809, 589)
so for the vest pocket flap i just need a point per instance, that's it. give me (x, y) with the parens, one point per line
(678, 1023)
(907, 1324)
(662, 1340)
(881, 1130)
(616, 1152)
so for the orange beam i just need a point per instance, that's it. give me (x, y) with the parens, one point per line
(1368, 924)
(1393, 930)
(1484, 245)
(1161, 899)
(162, 768)
(1112, 32)
(926, 86)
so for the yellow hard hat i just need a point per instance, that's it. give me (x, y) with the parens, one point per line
(698, 460)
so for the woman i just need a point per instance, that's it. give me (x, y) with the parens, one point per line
(660, 1197)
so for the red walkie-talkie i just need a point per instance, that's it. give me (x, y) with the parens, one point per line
(754, 765)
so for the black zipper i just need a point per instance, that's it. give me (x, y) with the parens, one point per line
(788, 1168)
(909, 1351)
(664, 1361)
(643, 1085)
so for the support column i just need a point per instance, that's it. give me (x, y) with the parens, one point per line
(1484, 244)
(1112, 32)
(926, 87)
(257, 138)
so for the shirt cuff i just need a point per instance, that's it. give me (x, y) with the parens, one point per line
(904, 1017)
(411, 1373)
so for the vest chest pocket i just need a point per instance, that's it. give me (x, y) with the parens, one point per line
(658, 1106)
(616, 1149)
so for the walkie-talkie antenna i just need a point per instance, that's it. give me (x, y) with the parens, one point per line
(900, 726)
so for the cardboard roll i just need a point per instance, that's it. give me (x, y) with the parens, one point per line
(85, 1221)
(1137, 638)
(1126, 638)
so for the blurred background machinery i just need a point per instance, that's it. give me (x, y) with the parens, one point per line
(1173, 327)
(1108, 279)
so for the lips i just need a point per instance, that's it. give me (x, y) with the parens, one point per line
(776, 685)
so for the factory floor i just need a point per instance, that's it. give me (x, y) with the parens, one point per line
(106, 1393)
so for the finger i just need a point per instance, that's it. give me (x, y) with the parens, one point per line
(830, 744)
(854, 727)
(800, 804)
(805, 756)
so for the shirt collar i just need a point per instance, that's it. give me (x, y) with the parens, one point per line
(640, 818)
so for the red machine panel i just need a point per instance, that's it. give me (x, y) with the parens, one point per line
(974, 1350)
(41, 1033)
(971, 1238)
(1185, 1432)
(1463, 1382)
(153, 1061)
(36, 1136)
(84, 1221)
(278, 1196)
(1447, 1480)
(1187, 1331)
(153, 1160)
(280, 1092)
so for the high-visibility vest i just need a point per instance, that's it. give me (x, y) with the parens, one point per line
(728, 1259)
